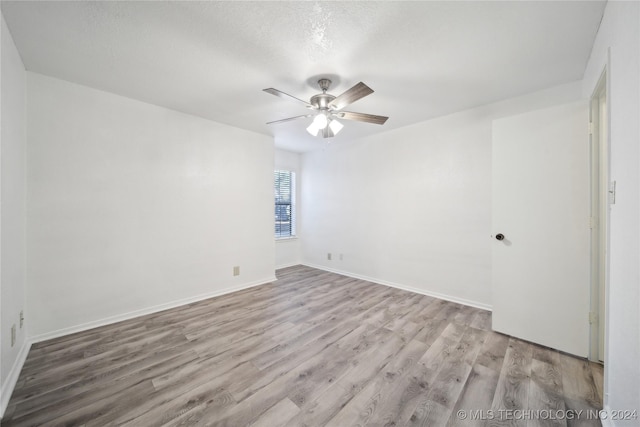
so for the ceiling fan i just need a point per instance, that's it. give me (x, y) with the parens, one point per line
(328, 109)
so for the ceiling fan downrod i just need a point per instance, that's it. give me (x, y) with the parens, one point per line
(324, 85)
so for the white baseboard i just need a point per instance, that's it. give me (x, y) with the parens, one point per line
(12, 378)
(278, 267)
(149, 310)
(404, 288)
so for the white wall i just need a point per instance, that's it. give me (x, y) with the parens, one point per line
(288, 250)
(620, 35)
(412, 207)
(12, 202)
(132, 207)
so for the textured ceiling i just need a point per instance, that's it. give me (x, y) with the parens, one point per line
(212, 59)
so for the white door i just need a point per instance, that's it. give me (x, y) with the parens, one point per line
(541, 282)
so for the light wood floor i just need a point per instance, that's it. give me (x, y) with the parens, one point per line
(313, 348)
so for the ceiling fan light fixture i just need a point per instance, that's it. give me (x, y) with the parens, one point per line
(313, 129)
(320, 121)
(335, 126)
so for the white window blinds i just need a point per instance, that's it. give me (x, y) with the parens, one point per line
(284, 186)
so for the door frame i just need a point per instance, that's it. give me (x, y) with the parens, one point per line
(599, 140)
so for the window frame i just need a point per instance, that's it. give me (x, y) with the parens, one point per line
(292, 216)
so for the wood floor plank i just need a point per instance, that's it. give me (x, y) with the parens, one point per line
(588, 414)
(493, 351)
(398, 402)
(73, 366)
(82, 414)
(76, 396)
(294, 359)
(547, 375)
(578, 382)
(307, 379)
(323, 408)
(314, 349)
(291, 345)
(450, 311)
(597, 373)
(428, 413)
(340, 363)
(545, 392)
(466, 315)
(512, 391)
(160, 411)
(278, 414)
(431, 330)
(367, 395)
(449, 383)
(482, 320)
(331, 401)
(316, 411)
(116, 364)
(477, 394)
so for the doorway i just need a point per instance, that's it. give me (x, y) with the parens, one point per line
(602, 196)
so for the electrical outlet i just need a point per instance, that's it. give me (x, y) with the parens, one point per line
(329, 256)
(13, 335)
(21, 318)
(340, 257)
(236, 270)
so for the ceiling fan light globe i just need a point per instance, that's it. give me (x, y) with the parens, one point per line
(335, 126)
(320, 121)
(313, 129)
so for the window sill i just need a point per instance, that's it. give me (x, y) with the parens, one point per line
(284, 239)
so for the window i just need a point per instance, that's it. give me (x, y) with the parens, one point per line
(285, 203)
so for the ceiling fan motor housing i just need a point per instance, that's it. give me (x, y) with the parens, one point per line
(321, 101)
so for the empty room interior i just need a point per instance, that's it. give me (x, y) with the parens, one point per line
(320, 213)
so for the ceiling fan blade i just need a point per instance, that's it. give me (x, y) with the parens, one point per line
(362, 117)
(290, 118)
(350, 96)
(281, 94)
